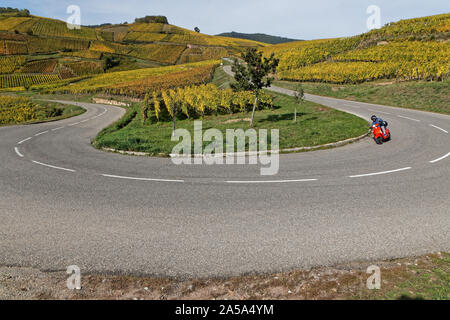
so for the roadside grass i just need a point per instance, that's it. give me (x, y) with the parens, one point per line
(426, 277)
(420, 95)
(221, 79)
(65, 97)
(316, 125)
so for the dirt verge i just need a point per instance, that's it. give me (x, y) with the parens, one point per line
(425, 277)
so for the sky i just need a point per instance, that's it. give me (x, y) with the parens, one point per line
(296, 19)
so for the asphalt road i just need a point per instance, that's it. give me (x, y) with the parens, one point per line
(62, 202)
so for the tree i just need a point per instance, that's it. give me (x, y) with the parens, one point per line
(156, 105)
(110, 62)
(23, 13)
(152, 19)
(172, 103)
(197, 29)
(254, 74)
(299, 96)
(145, 107)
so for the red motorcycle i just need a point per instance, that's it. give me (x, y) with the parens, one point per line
(379, 136)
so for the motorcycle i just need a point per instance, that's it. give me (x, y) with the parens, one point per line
(379, 136)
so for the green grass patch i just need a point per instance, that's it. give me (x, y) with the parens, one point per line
(221, 79)
(425, 278)
(316, 125)
(420, 95)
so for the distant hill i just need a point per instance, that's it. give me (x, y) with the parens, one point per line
(36, 49)
(260, 37)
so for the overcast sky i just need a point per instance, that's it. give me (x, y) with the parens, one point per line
(297, 19)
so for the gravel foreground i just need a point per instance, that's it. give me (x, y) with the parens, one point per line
(425, 277)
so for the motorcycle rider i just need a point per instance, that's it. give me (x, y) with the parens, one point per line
(379, 121)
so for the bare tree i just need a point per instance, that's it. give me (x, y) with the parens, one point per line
(299, 96)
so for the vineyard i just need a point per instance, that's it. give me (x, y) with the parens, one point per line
(45, 27)
(43, 45)
(108, 81)
(15, 47)
(196, 54)
(195, 101)
(26, 80)
(82, 68)
(12, 36)
(405, 50)
(437, 26)
(168, 53)
(371, 56)
(151, 84)
(10, 23)
(158, 32)
(397, 60)
(55, 28)
(15, 110)
(42, 66)
(10, 64)
(86, 54)
(294, 55)
(48, 51)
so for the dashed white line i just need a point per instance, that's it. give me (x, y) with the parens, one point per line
(40, 133)
(412, 119)
(73, 124)
(272, 181)
(53, 167)
(18, 152)
(379, 173)
(140, 179)
(56, 129)
(432, 125)
(24, 140)
(441, 158)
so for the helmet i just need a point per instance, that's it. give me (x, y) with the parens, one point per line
(374, 118)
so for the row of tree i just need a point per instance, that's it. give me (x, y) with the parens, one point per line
(251, 77)
(19, 12)
(198, 101)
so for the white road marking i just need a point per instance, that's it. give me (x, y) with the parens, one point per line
(272, 181)
(432, 125)
(441, 158)
(40, 133)
(73, 124)
(57, 129)
(377, 111)
(18, 152)
(140, 179)
(24, 140)
(50, 166)
(409, 118)
(379, 173)
(102, 112)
